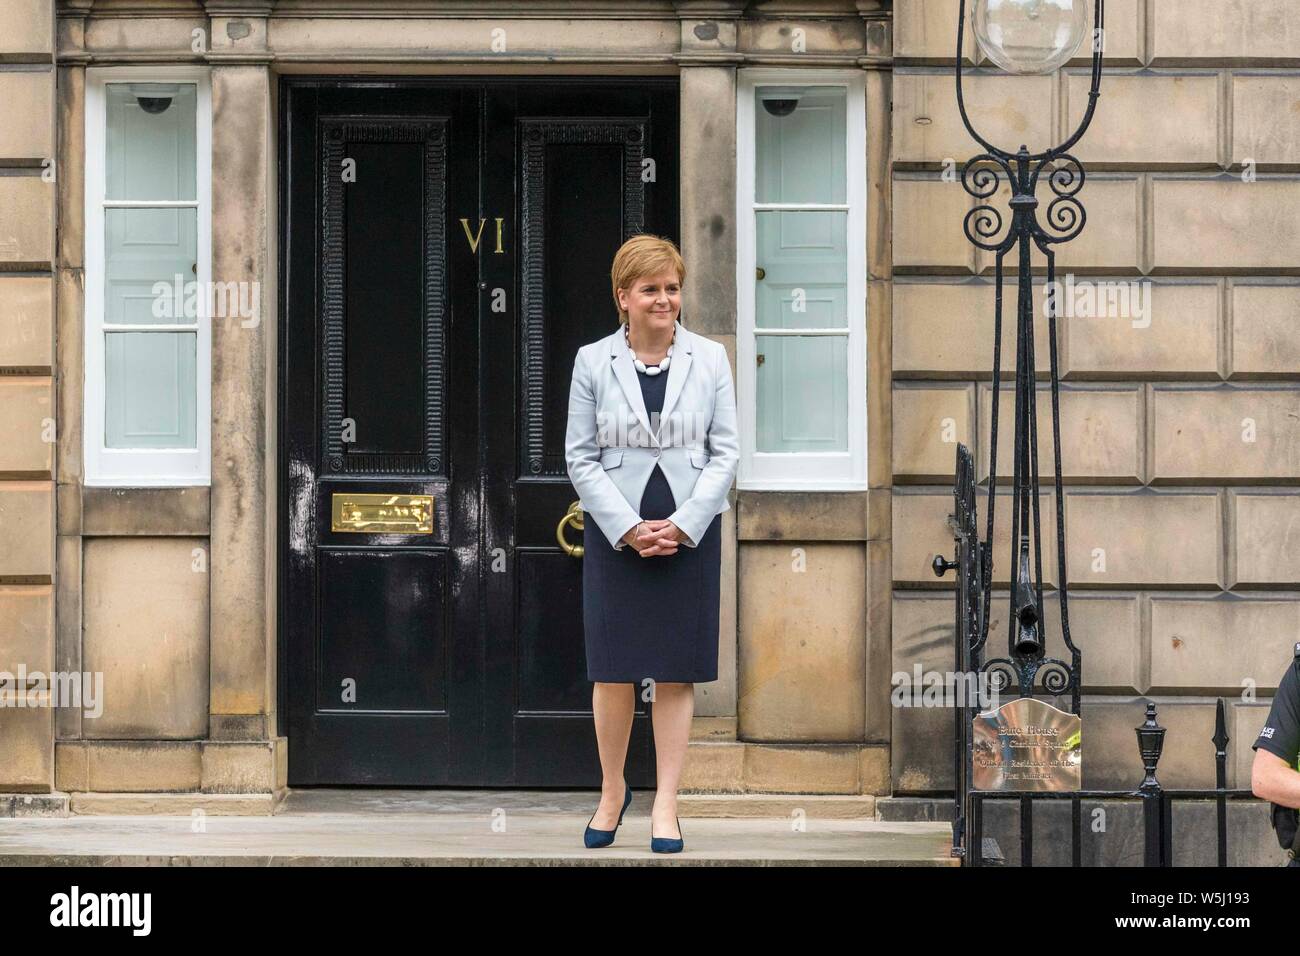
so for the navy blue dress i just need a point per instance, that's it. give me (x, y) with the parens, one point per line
(651, 617)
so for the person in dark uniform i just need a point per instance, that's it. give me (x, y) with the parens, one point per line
(1275, 775)
(652, 448)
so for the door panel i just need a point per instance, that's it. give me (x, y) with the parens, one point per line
(446, 250)
(578, 155)
(384, 310)
(379, 344)
(384, 268)
(408, 595)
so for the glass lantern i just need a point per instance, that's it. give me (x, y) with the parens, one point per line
(1030, 36)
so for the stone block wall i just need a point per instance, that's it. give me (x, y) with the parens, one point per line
(1180, 422)
(118, 583)
(27, 413)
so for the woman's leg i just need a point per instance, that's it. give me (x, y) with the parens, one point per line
(612, 705)
(671, 713)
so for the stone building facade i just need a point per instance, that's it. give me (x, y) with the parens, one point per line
(1181, 427)
(1177, 432)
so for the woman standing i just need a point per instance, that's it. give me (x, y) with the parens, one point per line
(652, 450)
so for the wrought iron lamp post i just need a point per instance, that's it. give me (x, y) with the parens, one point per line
(1021, 36)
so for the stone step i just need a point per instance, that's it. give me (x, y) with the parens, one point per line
(817, 806)
(527, 828)
(915, 809)
(33, 805)
(693, 804)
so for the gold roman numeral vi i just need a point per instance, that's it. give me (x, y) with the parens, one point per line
(475, 237)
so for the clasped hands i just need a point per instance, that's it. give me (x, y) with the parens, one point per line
(655, 537)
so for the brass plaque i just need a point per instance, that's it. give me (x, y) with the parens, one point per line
(381, 514)
(1027, 744)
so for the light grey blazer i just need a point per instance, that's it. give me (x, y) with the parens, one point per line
(611, 446)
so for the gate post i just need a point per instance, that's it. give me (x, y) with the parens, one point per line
(967, 626)
(1151, 744)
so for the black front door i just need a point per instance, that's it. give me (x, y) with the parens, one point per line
(445, 251)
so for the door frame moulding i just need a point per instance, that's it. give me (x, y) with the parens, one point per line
(287, 86)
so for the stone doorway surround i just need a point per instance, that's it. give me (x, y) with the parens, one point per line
(192, 720)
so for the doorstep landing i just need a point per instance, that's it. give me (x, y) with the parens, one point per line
(468, 828)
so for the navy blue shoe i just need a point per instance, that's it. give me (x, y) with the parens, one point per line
(597, 838)
(667, 844)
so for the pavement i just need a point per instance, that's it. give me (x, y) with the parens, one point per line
(458, 827)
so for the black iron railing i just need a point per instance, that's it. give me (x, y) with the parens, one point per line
(1157, 804)
(1026, 666)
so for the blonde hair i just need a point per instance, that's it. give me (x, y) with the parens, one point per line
(643, 255)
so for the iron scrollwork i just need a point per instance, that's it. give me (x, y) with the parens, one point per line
(1065, 214)
(982, 177)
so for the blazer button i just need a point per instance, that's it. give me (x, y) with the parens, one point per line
(656, 452)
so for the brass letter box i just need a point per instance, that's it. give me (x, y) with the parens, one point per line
(381, 514)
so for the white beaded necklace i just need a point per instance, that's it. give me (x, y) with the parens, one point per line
(650, 369)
